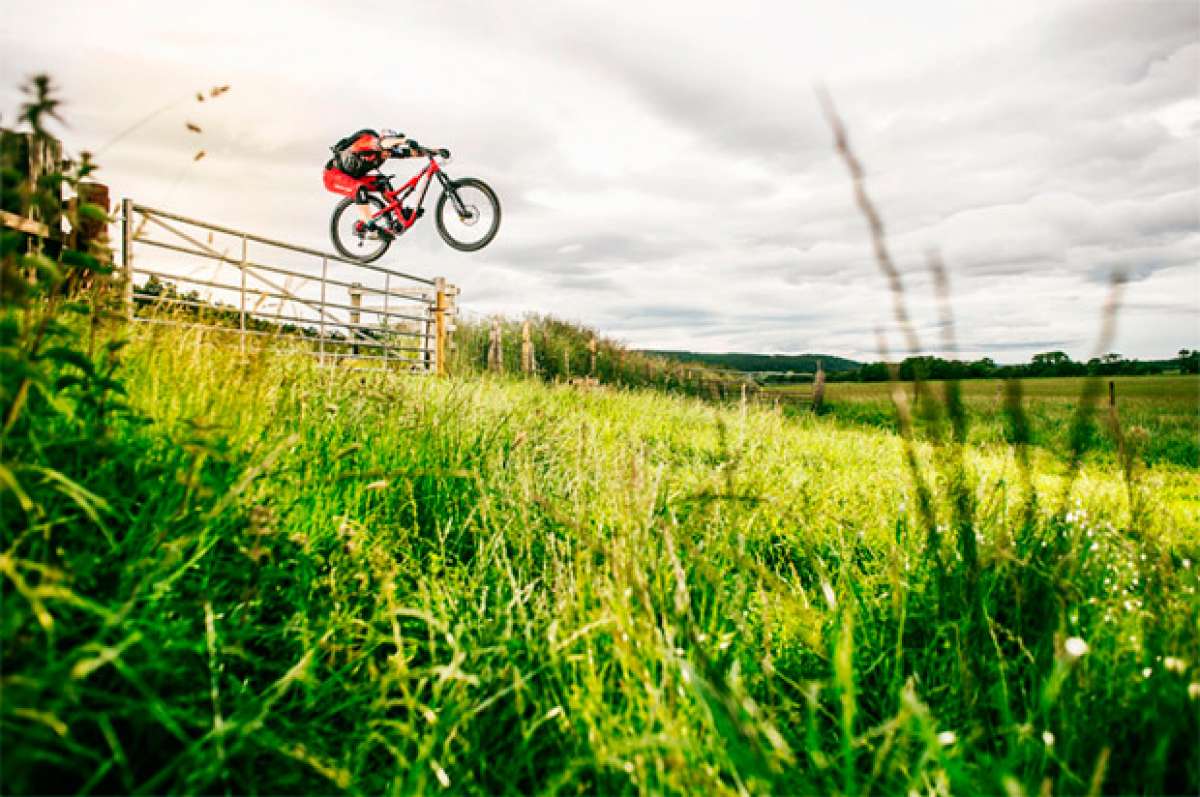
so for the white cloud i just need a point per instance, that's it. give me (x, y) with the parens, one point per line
(664, 169)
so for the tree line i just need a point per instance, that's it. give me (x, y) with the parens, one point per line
(1050, 363)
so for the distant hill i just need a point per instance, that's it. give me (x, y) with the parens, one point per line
(798, 363)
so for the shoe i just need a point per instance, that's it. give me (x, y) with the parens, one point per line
(371, 232)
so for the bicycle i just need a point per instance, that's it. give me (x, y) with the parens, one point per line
(471, 203)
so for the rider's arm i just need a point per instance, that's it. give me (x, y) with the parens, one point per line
(391, 145)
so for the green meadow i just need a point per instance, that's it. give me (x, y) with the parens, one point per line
(259, 575)
(1159, 414)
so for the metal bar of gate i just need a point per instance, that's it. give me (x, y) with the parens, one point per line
(288, 296)
(324, 280)
(257, 276)
(387, 289)
(243, 295)
(415, 295)
(376, 336)
(274, 335)
(280, 244)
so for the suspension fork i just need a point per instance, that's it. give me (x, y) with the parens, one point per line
(449, 189)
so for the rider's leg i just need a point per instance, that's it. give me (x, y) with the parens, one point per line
(364, 209)
(369, 223)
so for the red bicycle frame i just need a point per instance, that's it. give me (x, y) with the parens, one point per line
(394, 199)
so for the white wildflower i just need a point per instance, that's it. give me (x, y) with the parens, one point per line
(1194, 691)
(1048, 738)
(947, 738)
(1174, 664)
(1076, 647)
(1147, 672)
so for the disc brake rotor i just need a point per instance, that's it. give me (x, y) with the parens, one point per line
(470, 217)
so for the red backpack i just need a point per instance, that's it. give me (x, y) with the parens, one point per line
(357, 153)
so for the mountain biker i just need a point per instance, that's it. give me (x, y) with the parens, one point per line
(359, 153)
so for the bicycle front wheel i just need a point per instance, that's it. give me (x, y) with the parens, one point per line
(468, 214)
(350, 236)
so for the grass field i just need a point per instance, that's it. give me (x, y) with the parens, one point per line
(1164, 409)
(228, 573)
(275, 578)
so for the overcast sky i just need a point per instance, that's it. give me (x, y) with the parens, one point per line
(664, 168)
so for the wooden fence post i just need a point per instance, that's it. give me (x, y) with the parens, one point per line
(567, 364)
(451, 325)
(87, 235)
(526, 348)
(439, 321)
(355, 315)
(87, 232)
(495, 347)
(29, 210)
(592, 356)
(242, 297)
(127, 254)
(818, 396)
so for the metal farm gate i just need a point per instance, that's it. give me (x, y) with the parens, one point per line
(182, 271)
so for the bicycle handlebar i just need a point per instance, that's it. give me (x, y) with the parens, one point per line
(417, 149)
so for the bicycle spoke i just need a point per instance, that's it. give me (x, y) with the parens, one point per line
(469, 216)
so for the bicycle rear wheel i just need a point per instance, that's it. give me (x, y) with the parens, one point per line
(468, 214)
(351, 239)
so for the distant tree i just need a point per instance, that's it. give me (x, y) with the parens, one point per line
(1050, 359)
(1188, 361)
(1054, 363)
(874, 372)
(981, 369)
